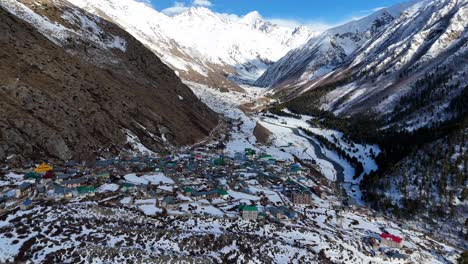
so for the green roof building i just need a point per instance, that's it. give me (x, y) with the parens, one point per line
(86, 189)
(249, 152)
(219, 162)
(126, 186)
(188, 190)
(32, 175)
(222, 192)
(250, 208)
(250, 212)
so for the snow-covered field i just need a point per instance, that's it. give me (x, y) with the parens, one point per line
(113, 233)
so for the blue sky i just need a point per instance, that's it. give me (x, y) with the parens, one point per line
(315, 13)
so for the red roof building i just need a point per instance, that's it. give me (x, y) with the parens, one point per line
(391, 240)
(49, 175)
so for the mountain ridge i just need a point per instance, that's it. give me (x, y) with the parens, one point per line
(224, 50)
(376, 74)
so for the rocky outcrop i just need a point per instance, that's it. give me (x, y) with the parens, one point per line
(80, 86)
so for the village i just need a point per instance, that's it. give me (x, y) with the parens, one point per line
(250, 186)
(228, 198)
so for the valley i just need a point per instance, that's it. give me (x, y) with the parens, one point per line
(129, 134)
(191, 203)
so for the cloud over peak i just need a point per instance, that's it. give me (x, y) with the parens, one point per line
(180, 7)
(205, 3)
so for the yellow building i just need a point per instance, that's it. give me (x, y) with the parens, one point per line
(43, 168)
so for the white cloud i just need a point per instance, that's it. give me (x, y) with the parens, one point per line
(180, 7)
(146, 2)
(177, 8)
(378, 8)
(205, 3)
(318, 26)
(372, 10)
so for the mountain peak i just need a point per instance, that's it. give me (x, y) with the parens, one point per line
(198, 10)
(252, 18)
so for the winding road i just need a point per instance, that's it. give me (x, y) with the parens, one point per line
(320, 154)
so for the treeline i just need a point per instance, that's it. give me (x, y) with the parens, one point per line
(430, 179)
(355, 163)
(432, 87)
(308, 102)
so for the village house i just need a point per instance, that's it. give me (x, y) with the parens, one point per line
(282, 212)
(43, 168)
(223, 193)
(63, 177)
(301, 197)
(128, 187)
(32, 176)
(41, 188)
(24, 189)
(169, 202)
(48, 177)
(61, 192)
(73, 183)
(249, 212)
(26, 204)
(250, 154)
(86, 190)
(390, 240)
(396, 256)
(211, 194)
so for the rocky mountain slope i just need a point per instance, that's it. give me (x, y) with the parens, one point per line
(73, 84)
(398, 61)
(222, 51)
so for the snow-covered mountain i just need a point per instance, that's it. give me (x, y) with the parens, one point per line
(325, 52)
(398, 79)
(203, 46)
(383, 63)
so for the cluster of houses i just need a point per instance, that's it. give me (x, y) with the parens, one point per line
(66, 180)
(200, 174)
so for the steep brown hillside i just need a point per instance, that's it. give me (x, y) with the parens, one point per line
(75, 86)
